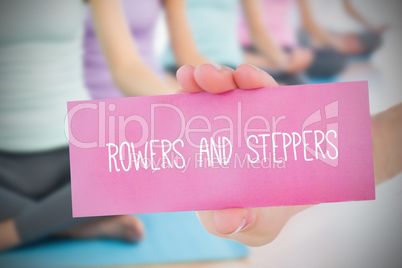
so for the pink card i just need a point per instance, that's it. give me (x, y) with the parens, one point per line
(273, 146)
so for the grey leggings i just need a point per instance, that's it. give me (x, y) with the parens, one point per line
(35, 191)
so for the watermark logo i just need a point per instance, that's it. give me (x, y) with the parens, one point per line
(161, 137)
(330, 111)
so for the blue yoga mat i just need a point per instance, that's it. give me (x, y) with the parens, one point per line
(170, 238)
(322, 80)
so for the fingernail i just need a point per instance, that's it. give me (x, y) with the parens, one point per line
(216, 66)
(255, 68)
(241, 226)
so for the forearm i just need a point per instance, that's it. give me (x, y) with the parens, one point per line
(355, 15)
(181, 39)
(261, 39)
(129, 72)
(386, 130)
(139, 80)
(189, 56)
(267, 47)
(318, 34)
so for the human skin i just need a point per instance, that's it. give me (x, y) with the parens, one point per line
(259, 226)
(250, 226)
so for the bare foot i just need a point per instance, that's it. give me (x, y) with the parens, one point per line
(9, 235)
(126, 228)
(387, 143)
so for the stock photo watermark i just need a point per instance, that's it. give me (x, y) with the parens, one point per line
(236, 143)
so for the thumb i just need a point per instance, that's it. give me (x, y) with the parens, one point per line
(251, 226)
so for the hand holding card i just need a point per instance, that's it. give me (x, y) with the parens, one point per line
(239, 224)
(250, 226)
(262, 148)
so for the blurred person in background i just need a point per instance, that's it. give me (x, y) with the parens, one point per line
(41, 69)
(323, 53)
(141, 17)
(317, 30)
(276, 18)
(214, 28)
